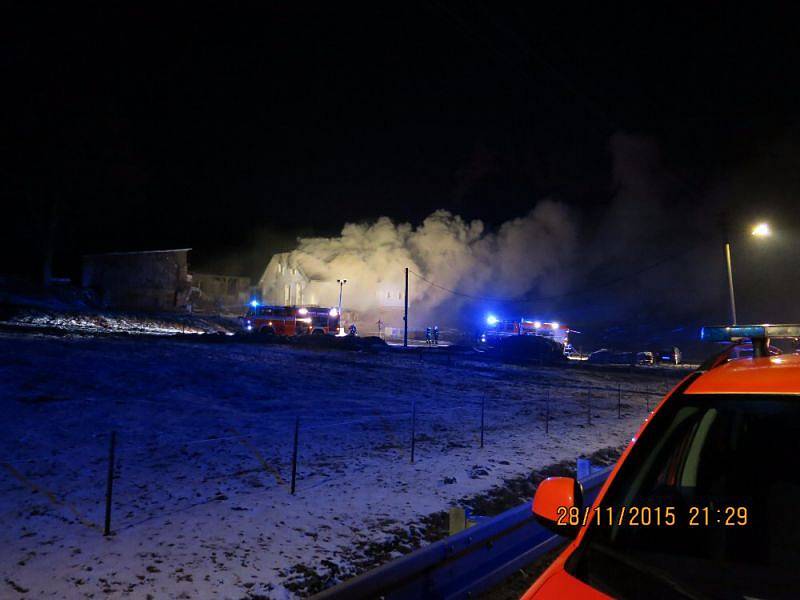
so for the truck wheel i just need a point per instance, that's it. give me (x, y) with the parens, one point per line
(266, 331)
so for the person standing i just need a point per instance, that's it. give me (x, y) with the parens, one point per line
(428, 336)
(435, 335)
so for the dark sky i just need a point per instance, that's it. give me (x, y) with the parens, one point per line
(230, 128)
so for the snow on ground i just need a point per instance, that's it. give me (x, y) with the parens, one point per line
(109, 322)
(201, 500)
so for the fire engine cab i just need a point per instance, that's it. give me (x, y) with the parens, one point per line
(291, 320)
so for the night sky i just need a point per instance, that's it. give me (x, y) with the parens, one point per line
(234, 130)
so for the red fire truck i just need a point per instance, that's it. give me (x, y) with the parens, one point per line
(291, 320)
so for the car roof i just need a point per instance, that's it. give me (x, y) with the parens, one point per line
(765, 375)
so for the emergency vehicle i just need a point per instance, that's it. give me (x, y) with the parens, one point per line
(703, 503)
(291, 320)
(498, 328)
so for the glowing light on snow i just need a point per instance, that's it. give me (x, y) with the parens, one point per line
(492, 320)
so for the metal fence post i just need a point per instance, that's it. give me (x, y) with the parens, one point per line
(294, 453)
(110, 482)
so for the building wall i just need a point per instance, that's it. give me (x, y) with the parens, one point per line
(285, 284)
(157, 280)
(221, 291)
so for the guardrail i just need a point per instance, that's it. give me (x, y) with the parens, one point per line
(464, 564)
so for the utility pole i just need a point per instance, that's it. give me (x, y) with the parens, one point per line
(405, 314)
(341, 283)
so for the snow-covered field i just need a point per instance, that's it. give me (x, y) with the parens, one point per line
(201, 499)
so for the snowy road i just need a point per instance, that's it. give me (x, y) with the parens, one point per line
(201, 503)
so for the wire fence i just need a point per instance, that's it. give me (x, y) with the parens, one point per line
(116, 480)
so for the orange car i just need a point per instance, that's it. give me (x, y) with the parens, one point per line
(704, 502)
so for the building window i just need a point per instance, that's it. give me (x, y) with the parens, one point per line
(280, 268)
(298, 296)
(286, 292)
(231, 287)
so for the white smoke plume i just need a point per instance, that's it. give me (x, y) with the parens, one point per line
(524, 256)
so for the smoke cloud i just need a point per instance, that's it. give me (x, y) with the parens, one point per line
(649, 254)
(530, 254)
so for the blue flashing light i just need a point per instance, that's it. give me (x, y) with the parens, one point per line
(727, 334)
(492, 320)
(254, 303)
(738, 332)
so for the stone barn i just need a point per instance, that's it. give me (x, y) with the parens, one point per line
(152, 280)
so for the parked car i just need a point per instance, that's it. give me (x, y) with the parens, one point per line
(702, 503)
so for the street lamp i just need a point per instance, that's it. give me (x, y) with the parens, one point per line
(341, 283)
(762, 230)
(759, 230)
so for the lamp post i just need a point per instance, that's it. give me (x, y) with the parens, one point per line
(730, 282)
(759, 230)
(341, 283)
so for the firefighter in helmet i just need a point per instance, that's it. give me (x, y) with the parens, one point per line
(353, 331)
(428, 335)
(435, 335)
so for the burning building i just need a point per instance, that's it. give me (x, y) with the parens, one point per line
(286, 282)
